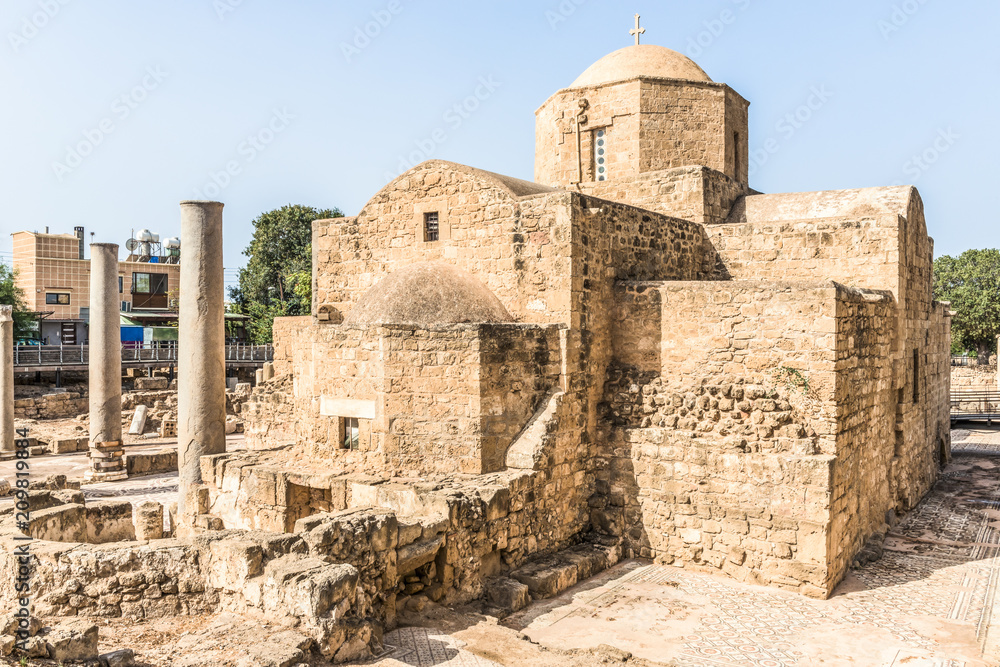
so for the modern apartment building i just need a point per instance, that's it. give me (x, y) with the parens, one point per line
(54, 273)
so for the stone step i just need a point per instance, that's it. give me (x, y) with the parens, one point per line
(548, 576)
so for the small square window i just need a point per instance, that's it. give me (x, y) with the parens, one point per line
(352, 434)
(432, 228)
(54, 299)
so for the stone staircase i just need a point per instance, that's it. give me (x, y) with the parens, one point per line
(547, 577)
(530, 449)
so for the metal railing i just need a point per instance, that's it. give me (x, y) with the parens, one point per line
(132, 353)
(975, 404)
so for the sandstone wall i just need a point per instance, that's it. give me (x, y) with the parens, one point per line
(51, 406)
(447, 399)
(974, 378)
(518, 246)
(864, 475)
(698, 194)
(649, 125)
(752, 427)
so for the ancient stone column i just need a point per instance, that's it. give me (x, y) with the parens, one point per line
(6, 379)
(105, 366)
(201, 363)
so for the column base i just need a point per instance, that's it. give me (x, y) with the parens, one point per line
(106, 462)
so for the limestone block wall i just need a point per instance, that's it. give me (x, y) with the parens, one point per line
(613, 108)
(51, 406)
(447, 399)
(698, 194)
(854, 252)
(649, 125)
(432, 407)
(865, 473)
(749, 427)
(973, 378)
(514, 236)
(469, 530)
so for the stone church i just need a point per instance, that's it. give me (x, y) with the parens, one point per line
(635, 350)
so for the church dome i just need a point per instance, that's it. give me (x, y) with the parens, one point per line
(646, 60)
(424, 294)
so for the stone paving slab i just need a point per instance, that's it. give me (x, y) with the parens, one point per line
(927, 601)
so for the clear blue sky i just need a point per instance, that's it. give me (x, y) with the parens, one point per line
(183, 84)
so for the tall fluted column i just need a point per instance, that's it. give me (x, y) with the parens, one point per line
(6, 379)
(201, 363)
(105, 366)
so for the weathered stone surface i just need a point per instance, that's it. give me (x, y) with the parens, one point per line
(122, 658)
(148, 520)
(508, 595)
(72, 641)
(109, 521)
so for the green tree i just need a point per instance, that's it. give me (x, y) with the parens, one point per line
(971, 282)
(12, 295)
(277, 280)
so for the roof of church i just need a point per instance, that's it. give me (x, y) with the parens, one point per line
(425, 294)
(646, 61)
(793, 206)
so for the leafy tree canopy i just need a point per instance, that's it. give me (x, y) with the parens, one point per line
(971, 282)
(12, 295)
(277, 280)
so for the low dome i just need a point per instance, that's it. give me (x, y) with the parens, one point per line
(646, 60)
(424, 294)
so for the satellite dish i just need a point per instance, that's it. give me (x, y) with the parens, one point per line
(131, 245)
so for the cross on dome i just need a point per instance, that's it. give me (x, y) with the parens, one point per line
(637, 31)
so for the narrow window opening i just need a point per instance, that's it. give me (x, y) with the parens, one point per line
(432, 228)
(916, 376)
(601, 155)
(738, 157)
(352, 433)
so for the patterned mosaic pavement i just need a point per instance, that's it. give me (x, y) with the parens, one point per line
(926, 602)
(420, 647)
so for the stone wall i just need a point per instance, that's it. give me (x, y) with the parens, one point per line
(974, 378)
(751, 428)
(471, 530)
(698, 194)
(649, 125)
(60, 405)
(510, 234)
(865, 477)
(446, 399)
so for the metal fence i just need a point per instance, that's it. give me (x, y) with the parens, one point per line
(132, 353)
(975, 404)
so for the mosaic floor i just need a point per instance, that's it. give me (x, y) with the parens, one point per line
(421, 647)
(926, 602)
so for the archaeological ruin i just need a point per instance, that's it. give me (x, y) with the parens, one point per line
(506, 387)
